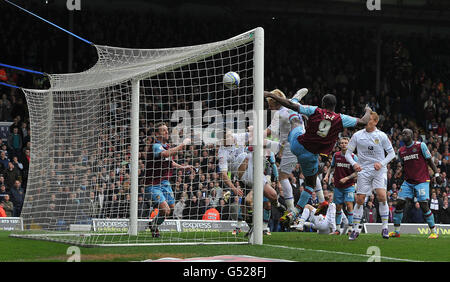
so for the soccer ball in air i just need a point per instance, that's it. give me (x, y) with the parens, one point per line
(231, 80)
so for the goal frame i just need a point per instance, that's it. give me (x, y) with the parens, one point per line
(256, 236)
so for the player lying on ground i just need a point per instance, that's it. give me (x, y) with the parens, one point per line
(320, 136)
(371, 145)
(159, 166)
(322, 219)
(344, 182)
(414, 157)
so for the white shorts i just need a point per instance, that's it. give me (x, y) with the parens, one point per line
(368, 180)
(288, 160)
(247, 177)
(320, 223)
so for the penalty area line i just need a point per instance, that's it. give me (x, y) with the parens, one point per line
(339, 253)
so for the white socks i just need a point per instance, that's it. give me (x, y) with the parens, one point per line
(287, 193)
(384, 214)
(357, 216)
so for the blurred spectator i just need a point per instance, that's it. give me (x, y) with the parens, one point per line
(3, 192)
(8, 206)
(17, 197)
(235, 209)
(444, 213)
(14, 143)
(435, 205)
(2, 211)
(4, 161)
(191, 211)
(416, 214)
(213, 198)
(143, 208)
(224, 210)
(12, 174)
(370, 213)
(179, 208)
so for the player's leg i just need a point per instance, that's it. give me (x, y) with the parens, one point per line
(166, 202)
(307, 213)
(364, 184)
(398, 216)
(287, 165)
(299, 95)
(339, 213)
(319, 191)
(338, 199)
(267, 211)
(384, 211)
(379, 184)
(247, 209)
(404, 198)
(349, 199)
(422, 194)
(345, 222)
(429, 217)
(157, 197)
(309, 164)
(357, 215)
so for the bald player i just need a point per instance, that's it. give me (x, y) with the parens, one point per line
(415, 158)
(319, 137)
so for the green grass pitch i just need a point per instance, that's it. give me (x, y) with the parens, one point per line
(292, 246)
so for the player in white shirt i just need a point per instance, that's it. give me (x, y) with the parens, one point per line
(371, 145)
(322, 219)
(236, 159)
(279, 128)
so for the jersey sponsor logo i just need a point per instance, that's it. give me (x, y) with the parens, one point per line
(411, 157)
(330, 117)
(344, 165)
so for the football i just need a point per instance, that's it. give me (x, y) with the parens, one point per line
(231, 80)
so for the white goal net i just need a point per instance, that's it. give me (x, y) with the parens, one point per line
(101, 172)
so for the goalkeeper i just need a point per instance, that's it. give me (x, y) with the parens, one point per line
(159, 167)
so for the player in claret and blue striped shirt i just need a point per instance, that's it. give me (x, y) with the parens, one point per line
(344, 183)
(319, 137)
(415, 158)
(159, 166)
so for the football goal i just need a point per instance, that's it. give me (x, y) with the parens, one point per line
(100, 172)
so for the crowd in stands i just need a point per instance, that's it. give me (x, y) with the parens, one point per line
(413, 93)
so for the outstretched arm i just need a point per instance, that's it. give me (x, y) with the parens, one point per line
(172, 151)
(282, 101)
(229, 183)
(366, 117)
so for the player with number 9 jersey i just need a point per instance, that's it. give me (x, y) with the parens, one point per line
(322, 131)
(323, 128)
(320, 136)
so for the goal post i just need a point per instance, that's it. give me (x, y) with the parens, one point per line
(134, 166)
(259, 128)
(94, 147)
